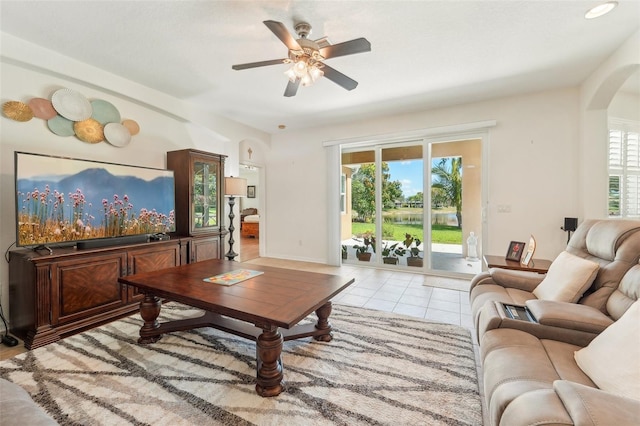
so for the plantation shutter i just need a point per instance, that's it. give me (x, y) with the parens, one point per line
(624, 168)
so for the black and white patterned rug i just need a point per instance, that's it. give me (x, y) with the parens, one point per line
(380, 368)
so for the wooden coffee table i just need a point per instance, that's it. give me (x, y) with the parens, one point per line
(269, 307)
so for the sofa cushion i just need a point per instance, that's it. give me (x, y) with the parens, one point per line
(568, 278)
(612, 360)
(626, 294)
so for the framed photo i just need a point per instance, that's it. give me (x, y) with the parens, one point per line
(251, 191)
(528, 256)
(515, 251)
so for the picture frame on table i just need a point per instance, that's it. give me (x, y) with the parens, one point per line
(527, 257)
(516, 248)
(251, 191)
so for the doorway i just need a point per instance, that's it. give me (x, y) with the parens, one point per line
(249, 216)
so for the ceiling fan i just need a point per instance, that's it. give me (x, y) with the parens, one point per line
(307, 57)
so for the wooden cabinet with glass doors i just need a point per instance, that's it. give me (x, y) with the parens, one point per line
(199, 187)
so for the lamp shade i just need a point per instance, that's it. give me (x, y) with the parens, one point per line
(235, 187)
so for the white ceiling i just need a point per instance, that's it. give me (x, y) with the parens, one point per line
(424, 54)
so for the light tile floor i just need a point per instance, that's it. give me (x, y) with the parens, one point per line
(408, 294)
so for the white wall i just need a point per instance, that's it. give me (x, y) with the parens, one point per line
(532, 167)
(252, 178)
(626, 106)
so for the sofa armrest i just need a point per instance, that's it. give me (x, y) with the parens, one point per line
(521, 280)
(492, 316)
(591, 406)
(569, 315)
(540, 407)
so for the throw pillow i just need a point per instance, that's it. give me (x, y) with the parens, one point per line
(569, 276)
(612, 359)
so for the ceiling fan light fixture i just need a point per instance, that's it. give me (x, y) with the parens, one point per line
(600, 10)
(300, 68)
(315, 73)
(291, 75)
(306, 80)
(306, 69)
(306, 57)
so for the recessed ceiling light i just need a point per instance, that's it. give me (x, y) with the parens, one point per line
(601, 9)
(281, 126)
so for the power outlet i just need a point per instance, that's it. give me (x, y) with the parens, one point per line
(504, 208)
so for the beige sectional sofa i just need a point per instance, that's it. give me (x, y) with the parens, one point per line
(613, 244)
(534, 370)
(529, 380)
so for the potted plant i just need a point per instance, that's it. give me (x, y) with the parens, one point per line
(362, 251)
(412, 244)
(390, 253)
(344, 252)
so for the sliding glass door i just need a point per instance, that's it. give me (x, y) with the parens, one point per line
(393, 216)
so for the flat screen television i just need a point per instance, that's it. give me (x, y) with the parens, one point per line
(64, 201)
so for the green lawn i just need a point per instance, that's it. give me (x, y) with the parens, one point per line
(441, 234)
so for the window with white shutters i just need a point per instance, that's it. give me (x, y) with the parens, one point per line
(624, 168)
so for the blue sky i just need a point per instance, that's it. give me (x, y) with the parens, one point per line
(409, 173)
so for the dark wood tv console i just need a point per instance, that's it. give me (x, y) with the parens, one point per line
(52, 296)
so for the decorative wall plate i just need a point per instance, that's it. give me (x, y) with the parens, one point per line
(17, 111)
(104, 112)
(89, 130)
(133, 127)
(61, 126)
(42, 108)
(116, 134)
(71, 104)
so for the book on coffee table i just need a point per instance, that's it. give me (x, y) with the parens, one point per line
(233, 277)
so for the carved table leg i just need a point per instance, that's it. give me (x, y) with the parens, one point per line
(269, 380)
(323, 324)
(149, 311)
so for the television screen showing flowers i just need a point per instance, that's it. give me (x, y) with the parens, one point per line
(64, 200)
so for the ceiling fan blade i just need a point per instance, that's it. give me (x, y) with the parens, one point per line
(357, 45)
(258, 64)
(339, 78)
(283, 34)
(292, 88)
